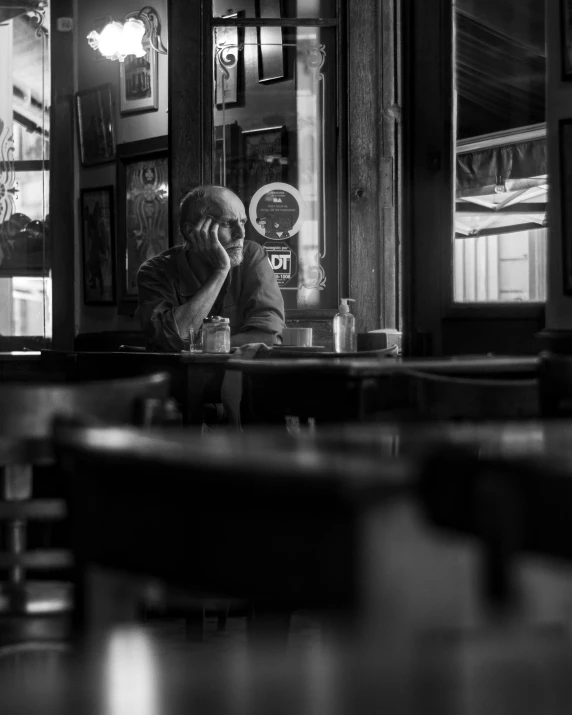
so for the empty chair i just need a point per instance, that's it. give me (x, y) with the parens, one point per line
(31, 609)
(288, 351)
(555, 384)
(437, 396)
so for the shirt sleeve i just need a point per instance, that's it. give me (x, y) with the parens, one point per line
(263, 306)
(157, 302)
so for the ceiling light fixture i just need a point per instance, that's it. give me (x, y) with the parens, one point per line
(133, 36)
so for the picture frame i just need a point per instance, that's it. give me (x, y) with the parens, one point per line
(139, 83)
(270, 49)
(96, 125)
(265, 157)
(565, 151)
(98, 246)
(566, 39)
(143, 210)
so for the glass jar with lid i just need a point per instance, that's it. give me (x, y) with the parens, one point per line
(216, 334)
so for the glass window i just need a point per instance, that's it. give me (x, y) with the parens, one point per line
(500, 167)
(25, 281)
(275, 119)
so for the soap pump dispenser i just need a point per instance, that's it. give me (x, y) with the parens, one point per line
(345, 328)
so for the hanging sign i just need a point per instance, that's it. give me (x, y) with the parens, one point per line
(283, 262)
(277, 211)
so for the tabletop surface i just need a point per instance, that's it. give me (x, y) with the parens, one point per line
(358, 364)
(20, 355)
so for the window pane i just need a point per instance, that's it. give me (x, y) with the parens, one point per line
(26, 306)
(275, 146)
(25, 282)
(500, 164)
(276, 8)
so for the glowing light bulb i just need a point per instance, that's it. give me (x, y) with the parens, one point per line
(132, 38)
(110, 39)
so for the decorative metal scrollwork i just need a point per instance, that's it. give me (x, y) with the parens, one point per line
(8, 184)
(315, 58)
(226, 60)
(314, 275)
(35, 10)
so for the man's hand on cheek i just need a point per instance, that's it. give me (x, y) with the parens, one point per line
(204, 241)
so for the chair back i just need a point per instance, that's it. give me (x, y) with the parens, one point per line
(29, 609)
(28, 409)
(131, 349)
(555, 384)
(289, 351)
(443, 397)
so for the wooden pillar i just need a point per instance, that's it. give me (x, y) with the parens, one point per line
(374, 118)
(190, 84)
(62, 204)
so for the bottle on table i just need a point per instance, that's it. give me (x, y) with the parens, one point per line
(216, 334)
(345, 328)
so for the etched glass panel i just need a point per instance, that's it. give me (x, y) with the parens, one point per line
(25, 280)
(275, 117)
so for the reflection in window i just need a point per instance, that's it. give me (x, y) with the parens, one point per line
(26, 306)
(500, 166)
(275, 99)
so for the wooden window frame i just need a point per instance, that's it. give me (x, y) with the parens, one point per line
(369, 141)
(429, 193)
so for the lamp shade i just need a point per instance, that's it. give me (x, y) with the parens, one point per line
(110, 39)
(132, 38)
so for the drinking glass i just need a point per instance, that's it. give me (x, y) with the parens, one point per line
(194, 341)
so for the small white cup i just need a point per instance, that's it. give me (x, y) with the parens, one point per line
(301, 337)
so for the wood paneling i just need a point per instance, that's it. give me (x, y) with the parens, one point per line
(62, 213)
(189, 65)
(374, 115)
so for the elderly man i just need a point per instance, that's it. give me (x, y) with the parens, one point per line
(215, 272)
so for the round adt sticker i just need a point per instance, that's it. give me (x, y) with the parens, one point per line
(277, 211)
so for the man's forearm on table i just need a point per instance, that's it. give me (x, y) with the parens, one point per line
(192, 313)
(253, 336)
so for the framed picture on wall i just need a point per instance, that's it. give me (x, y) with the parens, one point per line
(96, 125)
(565, 151)
(138, 83)
(566, 38)
(143, 208)
(265, 153)
(98, 246)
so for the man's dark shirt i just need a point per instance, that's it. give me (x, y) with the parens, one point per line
(250, 296)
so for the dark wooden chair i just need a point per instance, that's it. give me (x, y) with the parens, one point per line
(31, 609)
(555, 384)
(239, 518)
(289, 351)
(446, 397)
(131, 349)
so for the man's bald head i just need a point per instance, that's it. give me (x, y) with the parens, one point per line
(203, 201)
(219, 211)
